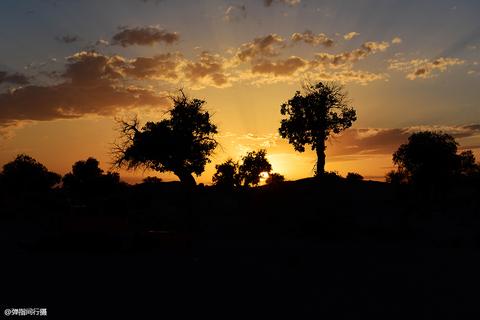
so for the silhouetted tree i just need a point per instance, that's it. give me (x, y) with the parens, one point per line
(275, 179)
(314, 115)
(468, 165)
(253, 164)
(396, 177)
(353, 176)
(27, 174)
(227, 175)
(428, 157)
(180, 144)
(87, 176)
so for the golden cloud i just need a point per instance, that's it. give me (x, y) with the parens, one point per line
(266, 46)
(312, 39)
(349, 57)
(286, 67)
(423, 68)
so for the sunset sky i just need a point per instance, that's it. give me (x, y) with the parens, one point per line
(69, 68)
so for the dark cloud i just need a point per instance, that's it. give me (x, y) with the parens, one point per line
(67, 38)
(90, 86)
(144, 36)
(15, 78)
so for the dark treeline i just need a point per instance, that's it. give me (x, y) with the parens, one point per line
(295, 242)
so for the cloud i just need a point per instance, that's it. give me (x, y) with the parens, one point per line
(349, 76)
(102, 42)
(423, 68)
(235, 13)
(385, 141)
(209, 69)
(350, 35)
(266, 46)
(91, 85)
(313, 39)
(286, 67)
(162, 66)
(397, 40)
(291, 3)
(349, 57)
(144, 36)
(15, 78)
(67, 38)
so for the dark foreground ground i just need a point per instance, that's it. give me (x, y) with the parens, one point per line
(305, 249)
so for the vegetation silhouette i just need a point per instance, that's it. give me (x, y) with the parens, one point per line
(253, 164)
(181, 143)
(88, 178)
(26, 174)
(314, 115)
(307, 234)
(231, 174)
(275, 179)
(353, 176)
(227, 175)
(430, 158)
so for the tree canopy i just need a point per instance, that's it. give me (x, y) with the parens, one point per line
(231, 174)
(253, 164)
(87, 176)
(313, 115)
(227, 175)
(27, 174)
(431, 157)
(180, 143)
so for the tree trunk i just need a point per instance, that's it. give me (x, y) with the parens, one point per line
(186, 178)
(320, 158)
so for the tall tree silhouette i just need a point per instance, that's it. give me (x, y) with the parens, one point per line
(312, 117)
(428, 157)
(27, 174)
(254, 163)
(181, 143)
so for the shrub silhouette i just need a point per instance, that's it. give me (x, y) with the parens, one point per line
(353, 176)
(253, 164)
(275, 179)
(88, 177)
(430, 157)
(227, 175)
(180, 144)
(313, 116)
(27, 174)
(152, 180)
